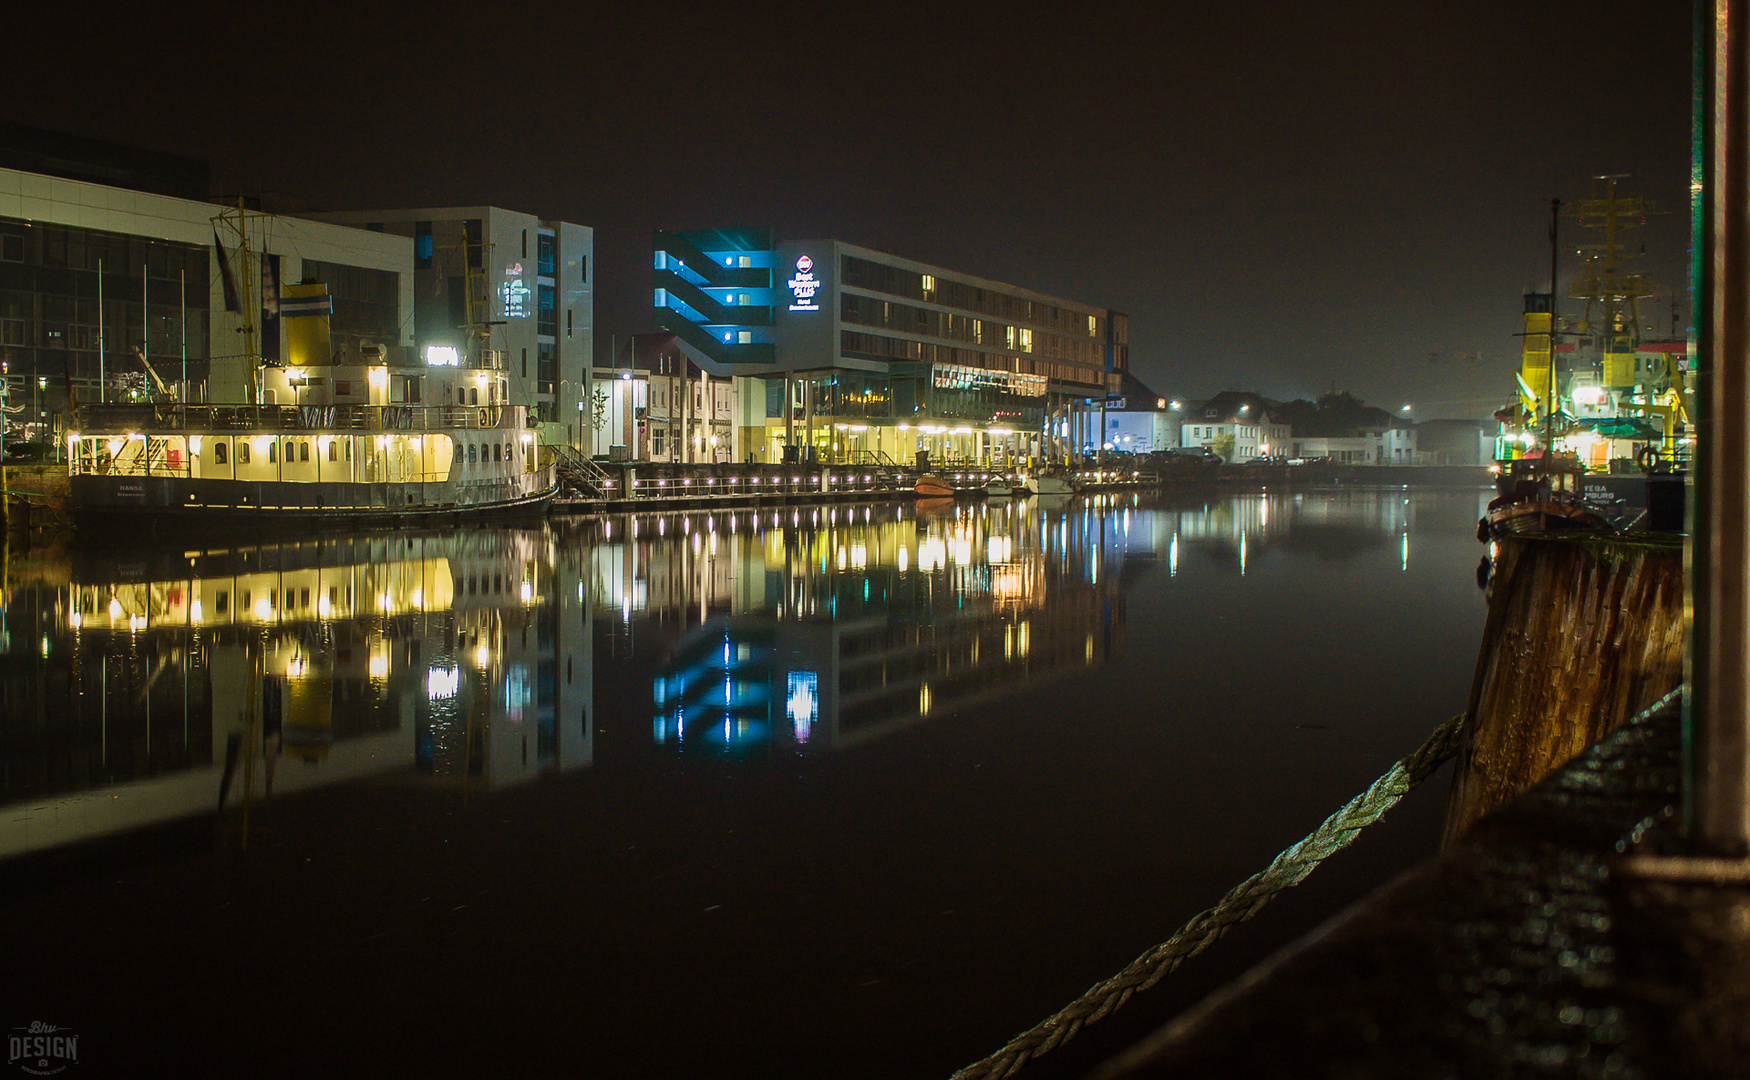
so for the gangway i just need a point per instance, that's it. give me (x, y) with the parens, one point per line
(578, 473)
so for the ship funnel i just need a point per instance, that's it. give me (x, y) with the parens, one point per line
(304, 311)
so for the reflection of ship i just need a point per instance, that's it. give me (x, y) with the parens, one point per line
(318, 440)
(455, 656)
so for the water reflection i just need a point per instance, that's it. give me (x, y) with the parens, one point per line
(456, 657)
(839, 628)
(476, 658)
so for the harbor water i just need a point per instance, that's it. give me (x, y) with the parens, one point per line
(835, 790)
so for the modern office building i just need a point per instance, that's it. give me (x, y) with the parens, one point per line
(512, 285)
(94, 276)
(840, 352)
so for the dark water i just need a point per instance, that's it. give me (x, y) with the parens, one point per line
(818, 791)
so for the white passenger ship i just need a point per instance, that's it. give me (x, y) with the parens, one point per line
(373, 441)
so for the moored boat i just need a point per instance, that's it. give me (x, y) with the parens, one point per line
(377, 436)
(932, 486)
(1049, 483)
(1541, 496)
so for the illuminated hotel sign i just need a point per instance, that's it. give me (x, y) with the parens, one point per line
(514, 293)
(803, 286)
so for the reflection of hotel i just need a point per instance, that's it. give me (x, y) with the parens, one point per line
(454, 656)
(867, 626)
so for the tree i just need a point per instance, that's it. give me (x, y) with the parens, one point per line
(1223, 445)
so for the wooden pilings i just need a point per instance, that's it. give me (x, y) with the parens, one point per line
(1582, 633)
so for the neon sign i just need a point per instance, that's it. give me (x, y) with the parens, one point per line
(514, 293)
(804, 285)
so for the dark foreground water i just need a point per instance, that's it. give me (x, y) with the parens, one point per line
(835, 791)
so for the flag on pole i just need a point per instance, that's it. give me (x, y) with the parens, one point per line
(232, 301)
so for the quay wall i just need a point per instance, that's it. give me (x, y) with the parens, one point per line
(1581, 634)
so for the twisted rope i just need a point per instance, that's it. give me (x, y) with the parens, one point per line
(1241, 903)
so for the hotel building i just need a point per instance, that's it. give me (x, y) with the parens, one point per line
(842, 353)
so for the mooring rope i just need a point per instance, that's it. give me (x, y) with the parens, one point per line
(1241, 903)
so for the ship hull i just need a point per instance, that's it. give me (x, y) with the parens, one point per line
(99, 500)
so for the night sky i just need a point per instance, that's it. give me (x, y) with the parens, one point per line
(1287, 198)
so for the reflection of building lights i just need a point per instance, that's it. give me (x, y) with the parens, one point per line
(264, 609)
(115, 608)
(322, 607)
(527, 592)
(379, 667)
(904, 558)
(194, 611)
(932, 554)
(296, 667)
(73, 620)
(924, 700)
(442, 683)
(482, 656)
(418, 598)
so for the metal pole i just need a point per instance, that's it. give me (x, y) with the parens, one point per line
(100, 379)
(1716, 807)
(1549, 408)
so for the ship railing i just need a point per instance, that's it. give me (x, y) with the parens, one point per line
(167, 418)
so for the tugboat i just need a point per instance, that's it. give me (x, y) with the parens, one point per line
(1539, 495)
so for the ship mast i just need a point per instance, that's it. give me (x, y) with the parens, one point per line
(1612, 294)
(251, 353)
(246, 295)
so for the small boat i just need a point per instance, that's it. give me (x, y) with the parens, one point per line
(999, 489)
(1049, 484)
(931, 486)
(1541, 495)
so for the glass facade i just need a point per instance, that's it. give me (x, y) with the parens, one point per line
(154, 293)
(990, 328)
